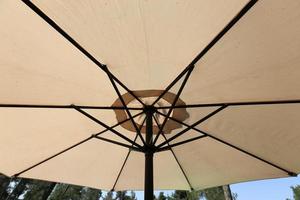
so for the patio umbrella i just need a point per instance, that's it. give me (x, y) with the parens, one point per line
(126, 95)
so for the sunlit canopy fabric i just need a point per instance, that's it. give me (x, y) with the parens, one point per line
(222, 78)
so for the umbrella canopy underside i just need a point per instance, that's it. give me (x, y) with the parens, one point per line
(235, 103)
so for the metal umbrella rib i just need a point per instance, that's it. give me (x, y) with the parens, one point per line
(107, 127)
(250, 103)
(218, 46)
(193, 125)
(75, 43)
(124, 104)
(67, 107)
(219, 36)
(71, 147)
(131, 147)
(174, 102)
(126, 158)
(205, 134)
(175, 157)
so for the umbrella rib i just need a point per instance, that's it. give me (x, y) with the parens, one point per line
(53, 156)
(67, 107)
(242, 12)
(124, 104)
(290, 173)
(230, 145)
(180, 143)
(187, 70)
(63, 194)
(180, 166)
(71, 147)
(249, 103)
(54, 25)
(118, 143)
(173, 103)
(126, 158)
(107, 127)
(175, 157)
(193, 125)
(119, 123)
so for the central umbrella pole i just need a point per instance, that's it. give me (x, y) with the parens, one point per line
(148, 187)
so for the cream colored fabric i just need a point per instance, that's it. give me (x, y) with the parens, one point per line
(271, 132)
(29, 136)
(146, 44)
(149, 40)
(258, 59)
(209, 163)
(167, 174)
(39, 66)
(97, 164)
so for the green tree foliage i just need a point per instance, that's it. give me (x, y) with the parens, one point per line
(179, 195)
(73, 192)
(90, 194)
(227, 192)
(234, 196)
(296, 192)
(123, 195)
(161, 196)
(66, 192)
(38, 190)
(120, 195)
(41, 190)
(216, 193)
(186, 195)
(108, 196)
(27, 189)
(20, 188)
(4, 185)
(133, 196)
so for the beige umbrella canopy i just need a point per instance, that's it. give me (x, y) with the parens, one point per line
(190, 94)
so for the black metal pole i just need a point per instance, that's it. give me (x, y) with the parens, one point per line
(148, 188)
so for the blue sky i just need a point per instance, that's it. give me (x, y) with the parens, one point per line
(274, 189)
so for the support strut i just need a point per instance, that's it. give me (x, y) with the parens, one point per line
(149, 151)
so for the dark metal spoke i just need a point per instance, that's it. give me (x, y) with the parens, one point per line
(124, 104)
(128, 90)
(71, 147)
(249, 154)
(126, 158)
(180, 143)
(245, 9)
(107, 127)
(175, 157)
(230, 145)
(171, 85)
(55, 155)
(54, 25)
(131, 147)
(193, 125)
(119, 123)
(178, 163)
(247, 103)
(173, 103)
(66, 107)
(220, 35)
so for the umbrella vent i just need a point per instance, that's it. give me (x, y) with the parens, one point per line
(148, 97)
